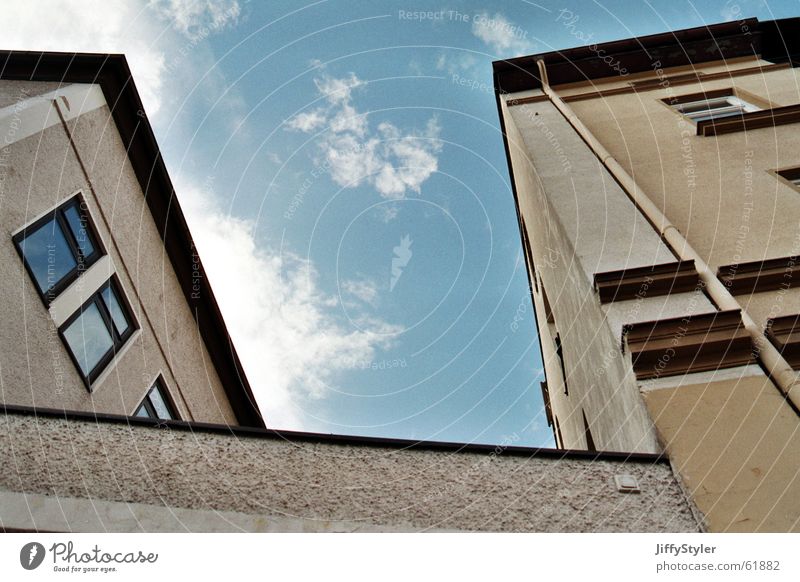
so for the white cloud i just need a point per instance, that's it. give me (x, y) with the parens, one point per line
(387, 212)
(107, 26)
(132, 27)
(308, 121)
(362, 289)
(392, 161)
(196, 18)
(503, 37)
(290, 345)
(456, 63)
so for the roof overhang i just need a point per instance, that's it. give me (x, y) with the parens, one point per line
(777, 41)
(112, 74)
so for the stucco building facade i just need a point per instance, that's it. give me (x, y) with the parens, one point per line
(656, 186)
(125, 407)
(106, 307)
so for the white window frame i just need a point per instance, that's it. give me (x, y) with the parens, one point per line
(715, 108)
(65, 306)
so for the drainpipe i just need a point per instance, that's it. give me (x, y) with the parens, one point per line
(778, 368)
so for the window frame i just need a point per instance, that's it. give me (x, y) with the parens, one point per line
(789, 176)
(118, 340)
(753, 103)
(83, 263)
(730, 106)
(160, 385)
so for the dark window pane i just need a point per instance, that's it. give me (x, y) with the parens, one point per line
(142, 412)
(80, 230)
(115, 309)
(158, 402)
(88, 338)
(48, 255)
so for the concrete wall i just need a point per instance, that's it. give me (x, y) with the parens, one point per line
(39, 172)
(323, 486)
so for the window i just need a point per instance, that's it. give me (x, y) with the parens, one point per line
(700, 108)
(98, 329)
(560, 354)
(590, 446)
(156, 403)
(58, 247)
(791, 175)
(557, 434)
(548, 311)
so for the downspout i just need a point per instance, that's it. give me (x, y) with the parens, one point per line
(778, 368)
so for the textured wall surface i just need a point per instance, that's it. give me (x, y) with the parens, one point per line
(570, 242)
(36, 174)
(316, 482)
(717, 191)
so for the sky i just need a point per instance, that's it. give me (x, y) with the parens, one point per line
(343, 174)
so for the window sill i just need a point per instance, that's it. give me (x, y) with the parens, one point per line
(753, 120)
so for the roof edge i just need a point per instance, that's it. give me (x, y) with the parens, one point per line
(335, 439)
(774, 40)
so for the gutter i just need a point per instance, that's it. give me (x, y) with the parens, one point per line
(778, 369)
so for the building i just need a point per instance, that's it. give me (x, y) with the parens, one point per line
(106, 307)
(93, 230)
(657, 183)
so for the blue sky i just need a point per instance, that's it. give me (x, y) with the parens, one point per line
(343, 173)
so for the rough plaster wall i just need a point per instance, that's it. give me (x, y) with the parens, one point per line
(12, 92)
(771, 304)
(141, 251)
(717, 191)
(600, 382)
(393, 487)
(620, 313)
(606, 230)
(745, 476)
(34, 365)
(35, 369)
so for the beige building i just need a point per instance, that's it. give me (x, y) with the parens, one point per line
(106, 307)
(105, 299)
(657, 182)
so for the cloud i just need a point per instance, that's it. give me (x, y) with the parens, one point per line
(307, 122)
(132, 27)
(387, 212)
(281, 322)
(291, 345)
(196, 18)
(500, 35)
(456, 63)
(361, 289)
(392, 161)
(109, 26)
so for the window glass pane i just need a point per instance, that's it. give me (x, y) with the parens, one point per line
(88, 338)
(158, 402)
(80, 230)
(115, 309)
(48, 255)
(142, 412)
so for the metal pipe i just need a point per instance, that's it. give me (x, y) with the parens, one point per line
(776, 365)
